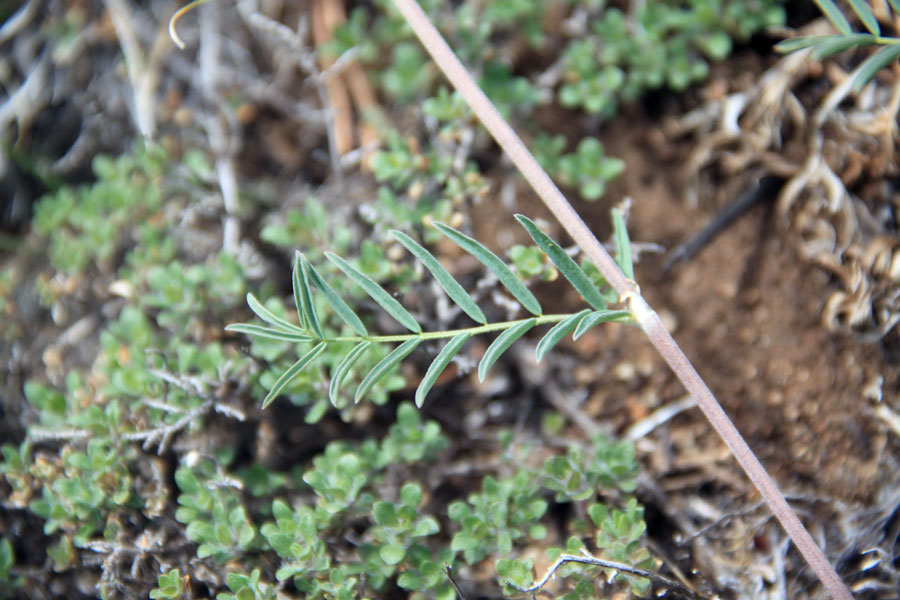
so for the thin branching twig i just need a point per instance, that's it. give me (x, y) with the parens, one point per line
(587, 559)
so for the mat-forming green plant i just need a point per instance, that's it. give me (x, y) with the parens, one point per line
(310, 330)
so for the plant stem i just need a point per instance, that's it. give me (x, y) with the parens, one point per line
(649, 321)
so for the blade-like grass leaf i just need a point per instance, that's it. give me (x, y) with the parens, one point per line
(446, 281)
(493, 262)
(623, 244)
(439, 364)
(557, 333)
(292, 372)
(384, 366)
(875, 63)
(343, 368)
(265, 332)
(306, 310)
(600, 316)
(499, 346)
(864, 12)
(337, 303)
(377, 293)
(263, 313)
(568, 267)
(834, 14)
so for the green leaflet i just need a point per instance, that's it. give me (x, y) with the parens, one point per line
(895, 4)
(439, 364)
(875, 63)
(833, 44)
(797, 43)
(265, 332)
(337, 303)
(623, 244)
(306, 310)
(493, 262)
(446, 281)
(292, 372)
(377, 293)
(864, 12)
(263, 313)
(600, 316)
(343, 368)
(499, 346)
(384, 366)
(834, 14)
(557, 333)
(568, 267)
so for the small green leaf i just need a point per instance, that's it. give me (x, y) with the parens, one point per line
(384, 514)
(392, 554)
(600, 316)
(292, 372)
(568, 267)
(864, 12)
(439, 364)
(411, 494)
(337, 303)
(833, 44)
(493, 262)
(557, 333)
(263, 313)
(385, 365)
(623, 244)
(377, 293)
(306, 310)
(834, 14)
(875, 63)
(453, 289)
(265, 332)
(499, 346)
(798, 43)
(340, 373)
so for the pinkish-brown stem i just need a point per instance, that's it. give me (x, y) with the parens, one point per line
(510, 142)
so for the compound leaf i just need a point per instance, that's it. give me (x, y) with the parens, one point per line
(292, 372)
(499, 346)
(600, 316)
(337, 303)
(453, 289)
(343, 368)
(385, 365)
(377, 293)
(568, 267)
(557, 333)
(265, 332)
(440, 363)
(493, 262)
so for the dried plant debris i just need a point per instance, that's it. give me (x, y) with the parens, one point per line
(836, 147)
